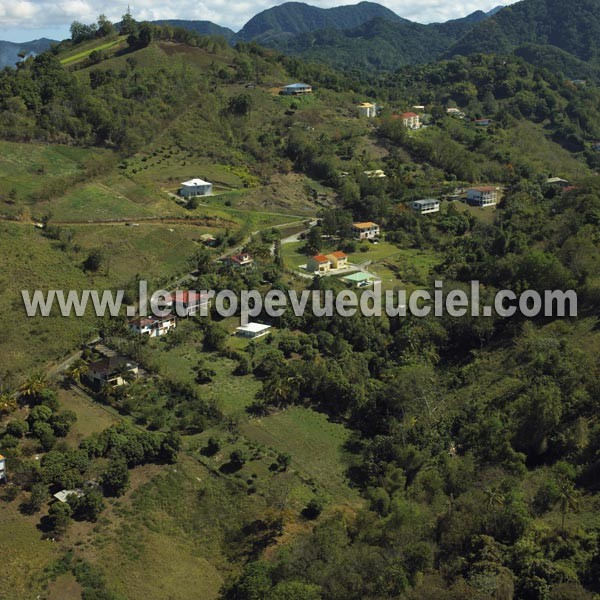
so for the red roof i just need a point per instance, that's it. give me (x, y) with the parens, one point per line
(183, 297)
(239, 258)
(484, 189)
(339, 254)
(320, 258)
(408, 115)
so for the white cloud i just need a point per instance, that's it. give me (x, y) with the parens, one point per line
(31, 15)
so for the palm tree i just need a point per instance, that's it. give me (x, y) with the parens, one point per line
(495, 498)
(568, 499)
(34, 386)
(77, 370)
(7, 403)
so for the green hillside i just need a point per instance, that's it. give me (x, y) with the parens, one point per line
(337, 458)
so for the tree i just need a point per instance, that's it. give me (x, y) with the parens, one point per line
(44, 433)
(77, 370)
(33, 387)
(128, 24)
(105, 27)
(568, 498)
(59, 517)
(313, 509)
(62, 422)
(237, 459)
(115, 479)
(37, 497)
(94, 261)
(87, 507)
(17, 428)
(283, 461)
(240, 105)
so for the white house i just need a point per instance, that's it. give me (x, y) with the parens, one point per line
(365, 231)
(426, 206)
(366, 109)
(153, 326)
(195, 187)
(2, 468)
(411, 120)
(296, 89)
(253, 330)
(482, 196)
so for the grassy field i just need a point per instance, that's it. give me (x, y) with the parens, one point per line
(78, 54)
(315, 444)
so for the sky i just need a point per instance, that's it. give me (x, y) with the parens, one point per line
(24, 20)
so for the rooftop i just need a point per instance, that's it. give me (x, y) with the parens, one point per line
(358, 277)
(338, 254)
(426, 201)
(485, 188)
(297, 85)
(253, 327)
(320, 258)
(196, 182)
(408, 115)
(367, 105)
(365, 225)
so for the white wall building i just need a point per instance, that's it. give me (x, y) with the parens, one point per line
(426, 206)
(482, 196)
(195, 187)
(253, 330)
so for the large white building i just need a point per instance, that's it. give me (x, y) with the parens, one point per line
(195, 187)
(253, 330)
(426, 206)
(482, 196)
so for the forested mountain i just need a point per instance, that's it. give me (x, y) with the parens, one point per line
(292, 18)
(200, 27)
(572, 27)
(9, 51)
(379, 43)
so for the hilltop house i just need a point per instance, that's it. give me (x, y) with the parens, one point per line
(366, 109)
(296, 89)
(482, 196)
(253, 330)
(482, 122)
(113, 371)
(410, 120)
(365, 231)
(188, 302)
(195, 187)
(63, 495)
(338, 260)
(2, 468)
(318, 264)
(153, 326)
(239, 261)
(426, 206)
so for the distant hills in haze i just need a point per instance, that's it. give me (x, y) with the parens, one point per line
(9, 51)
